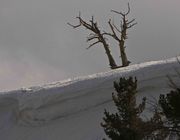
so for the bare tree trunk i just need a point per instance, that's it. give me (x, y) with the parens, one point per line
(98, 37)
(123, 56)
(112, 62)
(120, 35)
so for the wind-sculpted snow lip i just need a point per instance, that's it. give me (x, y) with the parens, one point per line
(55, 108)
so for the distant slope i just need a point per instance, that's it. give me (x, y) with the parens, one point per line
(73, 109)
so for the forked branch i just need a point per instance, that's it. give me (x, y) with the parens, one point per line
(96, 36)
(92, 26)
(123, 14)
(120, 34)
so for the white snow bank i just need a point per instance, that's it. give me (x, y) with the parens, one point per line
(73, 109)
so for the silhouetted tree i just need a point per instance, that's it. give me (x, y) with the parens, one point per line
(120, 35)
(127, 124)
(96, 35)
(170, 104)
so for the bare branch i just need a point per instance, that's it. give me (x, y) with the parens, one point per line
(111, 26)
(74, 26)
(91, 37)
(130, 26)
(114, 35)
(96, 36)
(92, 21)
(117, 12)
(85, 24)
(128, 10)
(92, 26)
(124, 26)
(109, 34)
(129, 22)
(93, 44)
(122, 14)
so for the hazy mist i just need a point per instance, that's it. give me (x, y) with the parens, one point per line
(37, 46)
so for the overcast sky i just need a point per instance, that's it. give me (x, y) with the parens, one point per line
(37, 46)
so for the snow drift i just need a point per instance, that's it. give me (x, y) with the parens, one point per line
(73, 109)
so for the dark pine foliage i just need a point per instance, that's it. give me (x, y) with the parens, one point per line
(124, 125)
(170, 104)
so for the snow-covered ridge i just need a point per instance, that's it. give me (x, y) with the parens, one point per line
(117, 72)
(74, 104)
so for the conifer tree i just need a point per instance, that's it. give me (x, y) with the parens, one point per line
(170, 104)
(124, 124)
(127, 123)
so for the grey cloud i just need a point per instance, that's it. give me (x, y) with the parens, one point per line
(36, 40)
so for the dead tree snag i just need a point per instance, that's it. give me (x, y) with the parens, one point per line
(120, 35)
(96, 36)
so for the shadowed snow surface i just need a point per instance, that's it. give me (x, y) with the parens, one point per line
(73, 109)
